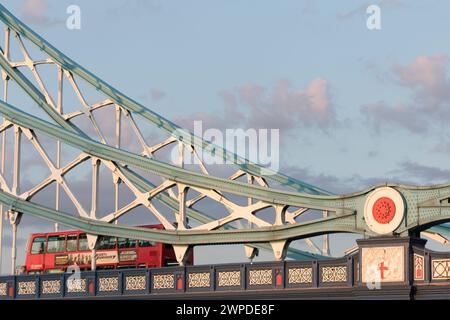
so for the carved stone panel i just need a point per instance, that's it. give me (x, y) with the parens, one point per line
(440, 269)
(383, 264)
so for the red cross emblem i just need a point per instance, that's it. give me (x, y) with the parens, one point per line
(382, 268)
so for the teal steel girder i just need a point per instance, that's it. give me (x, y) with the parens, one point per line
(142, 184)
(330, 203)
(425, 206)
(121, 99)
(184, 237)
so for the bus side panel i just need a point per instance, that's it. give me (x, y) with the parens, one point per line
(150, 256)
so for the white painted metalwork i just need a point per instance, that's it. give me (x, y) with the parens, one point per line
(174, 195)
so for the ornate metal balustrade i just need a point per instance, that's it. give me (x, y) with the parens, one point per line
(423, 271)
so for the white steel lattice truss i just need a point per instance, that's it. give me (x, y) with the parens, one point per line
(181, 199)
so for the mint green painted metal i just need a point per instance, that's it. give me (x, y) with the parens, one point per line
(344, 223)
(330, 203)
(145, 185)
(425, 205)
(133, 106)
(37, 96)
(15, 24)
(140, 182)
(17, 117)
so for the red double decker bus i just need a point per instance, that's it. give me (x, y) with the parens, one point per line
(56, 251)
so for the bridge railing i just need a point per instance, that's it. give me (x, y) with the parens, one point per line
(428, 268)
(178, 280)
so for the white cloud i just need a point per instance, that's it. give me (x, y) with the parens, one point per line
(427, 80)
(281, 107)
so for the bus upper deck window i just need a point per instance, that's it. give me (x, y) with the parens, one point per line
(82, 242)
(71, 242)
(38, 245)
(56, 243)
(106, 242)
(124, 243)
(145, 243)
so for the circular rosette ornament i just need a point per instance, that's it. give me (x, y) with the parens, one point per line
(384, 210)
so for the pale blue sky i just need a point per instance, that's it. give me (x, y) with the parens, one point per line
(188, 53)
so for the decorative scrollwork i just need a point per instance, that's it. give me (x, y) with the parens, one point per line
(229, 278)
(441, 269)
(76, 285)
(26, 287)
(260, 277)
(108, 284)
(199, 280)
(419, 273)
(3, 289)
(51, 286)
(135, 283)
(163, 281)
(334, 274)
(300, 275)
